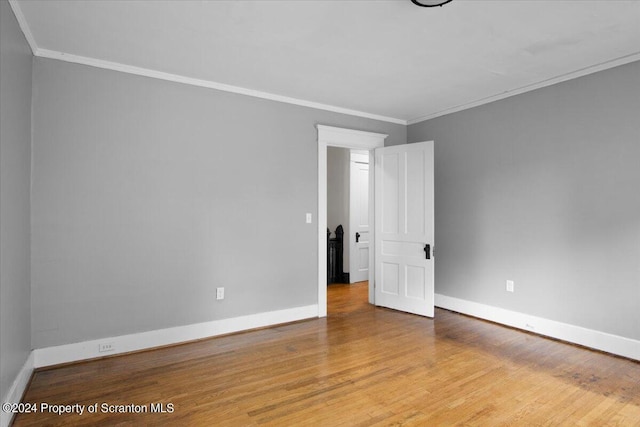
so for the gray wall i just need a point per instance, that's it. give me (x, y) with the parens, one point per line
(338, 182)
(15, 166)
(544, 188)
(148, 194)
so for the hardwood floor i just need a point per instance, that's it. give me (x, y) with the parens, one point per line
(361, 366)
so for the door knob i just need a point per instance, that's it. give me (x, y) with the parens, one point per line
(357, 237)
(427, 251)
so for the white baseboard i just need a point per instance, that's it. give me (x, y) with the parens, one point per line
(613, 344)
(14, 395)
(126, 343)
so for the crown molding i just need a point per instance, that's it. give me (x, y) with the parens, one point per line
(548, 82)
(146, 72)
(115, 66)
(177, 78)
(22, 22)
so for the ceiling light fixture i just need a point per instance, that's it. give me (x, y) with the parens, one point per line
(430, 3)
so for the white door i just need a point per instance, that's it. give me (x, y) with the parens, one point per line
(404, 270)
(359, 217)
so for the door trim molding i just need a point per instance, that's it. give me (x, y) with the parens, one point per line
(329, 136)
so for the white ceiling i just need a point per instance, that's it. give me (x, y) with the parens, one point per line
(383, 58)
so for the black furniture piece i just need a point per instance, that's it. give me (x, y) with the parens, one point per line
(335, 249)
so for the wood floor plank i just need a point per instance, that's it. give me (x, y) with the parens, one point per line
(361, 366)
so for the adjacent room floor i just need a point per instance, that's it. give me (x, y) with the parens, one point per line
(359, 366)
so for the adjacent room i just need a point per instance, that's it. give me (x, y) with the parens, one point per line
(436, 204)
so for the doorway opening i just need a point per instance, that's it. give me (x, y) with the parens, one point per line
(329, 136)
(348, 230)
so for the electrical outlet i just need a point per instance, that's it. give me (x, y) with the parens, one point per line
(106, 346)
(308, 218)
(219, 293)
(510, 286)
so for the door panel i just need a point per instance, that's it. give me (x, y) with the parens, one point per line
(410, 249)
(415, 195)
(390, 278)
(415, 278)
(359, 218)
(404, 225)
(390, 191)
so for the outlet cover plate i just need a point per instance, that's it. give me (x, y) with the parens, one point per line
(106, 347)
(510, 286)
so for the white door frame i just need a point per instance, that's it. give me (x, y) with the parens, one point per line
(329, 136)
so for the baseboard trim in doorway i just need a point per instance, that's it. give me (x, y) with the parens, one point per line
(597, 340)
(57, 355)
